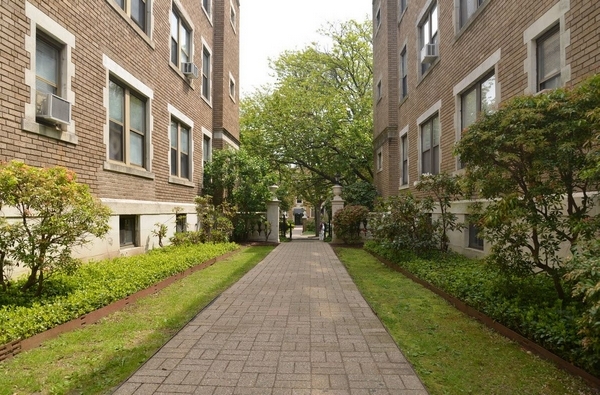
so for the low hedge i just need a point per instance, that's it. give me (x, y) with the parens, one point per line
(528, 306)
(95, 285)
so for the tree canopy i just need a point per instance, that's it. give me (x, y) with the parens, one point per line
(315, 122)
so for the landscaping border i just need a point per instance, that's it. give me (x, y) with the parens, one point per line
(496, 326)
(14, 348)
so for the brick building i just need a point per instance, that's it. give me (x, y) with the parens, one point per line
(438, 63)
(130, 94)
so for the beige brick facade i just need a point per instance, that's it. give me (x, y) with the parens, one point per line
(498, 38)
(99, 40)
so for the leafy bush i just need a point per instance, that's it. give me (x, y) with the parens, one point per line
(404, 223)
(528, 305)
(56, 214)
(310, 225)
(94, 285)
(215, 221)
(187, 238)
(347, 221)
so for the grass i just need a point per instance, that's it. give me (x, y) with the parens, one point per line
(451, 353)
(95, 359)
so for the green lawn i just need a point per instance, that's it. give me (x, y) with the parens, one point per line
(452, 353)
(95, 359)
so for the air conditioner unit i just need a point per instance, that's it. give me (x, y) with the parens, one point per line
(53, 108)
(190, 70)
(429, 53)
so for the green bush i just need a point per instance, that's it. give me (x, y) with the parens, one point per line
(310, 225)
(527, 305)
(94, 285)
(347, 221)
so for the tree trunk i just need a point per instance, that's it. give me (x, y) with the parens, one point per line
(557, 285)
(31, 280)
(2, 279)
(38, 292)
(318, 218)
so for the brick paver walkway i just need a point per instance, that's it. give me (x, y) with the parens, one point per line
(294, 325)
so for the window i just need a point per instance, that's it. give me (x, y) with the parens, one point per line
(379, 92)
(136, 10)
(231, 86)
(430, 146)
(467, 9)
(299, 201)
(401, 7)
(474, 240)
(378, 19)
(404, 159)
(479, 98)
(47, 65)
(206, 149)
(180, 223)
(233, 16)
(180, 150)
(379, 160)
(128, 230)
(127, 125)
(403, 74)
(548, 60)
(206, 73)
(428, 38)
(181, 40)
(207, 6)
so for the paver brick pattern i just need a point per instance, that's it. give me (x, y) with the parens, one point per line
(294, 325)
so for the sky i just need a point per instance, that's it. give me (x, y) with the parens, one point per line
(269, 27)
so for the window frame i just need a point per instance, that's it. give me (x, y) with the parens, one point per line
(474, 241)
(463, 19)
(554, 30)
(184, 28)
(207, 8)
(403, 74)
(404, 160)
(432, 148)
(134, 231)
(206, 80)
(232, 84)
(233, 20)
(426, 22)
(402, 4)
(127, 128)
(379, 159)
(206, 148)
(178, 165)
(180, 222)
(127, 6)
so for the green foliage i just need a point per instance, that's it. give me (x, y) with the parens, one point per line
(584, 273)
(56, 214)
(318, 115)
(404, 223)
(347, 221)
(443, 189)
(215, 221)
(527, 305)
(360, 193)
(240, 179)
(160, 231)
(534, 159)
(188, 238)
(94, 285)
(310, 225)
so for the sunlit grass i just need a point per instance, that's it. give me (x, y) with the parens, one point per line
(95, 359)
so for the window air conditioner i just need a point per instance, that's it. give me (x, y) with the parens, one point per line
(429, 53)
(190, 70)
(53, 108)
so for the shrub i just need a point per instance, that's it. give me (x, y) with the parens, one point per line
(187, 238)
(97, 284)
(56, 214)
(310, 225)
(520, 303)
(215, 221)
(347, 221)
(404, 223)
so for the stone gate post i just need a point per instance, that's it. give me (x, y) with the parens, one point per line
(273, 215)
(336, 204)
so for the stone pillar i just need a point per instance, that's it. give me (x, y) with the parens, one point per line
(336, 204)
(273, 215)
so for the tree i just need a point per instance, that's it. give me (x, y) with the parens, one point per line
(317, 118)
(532, 160)
(56, 214)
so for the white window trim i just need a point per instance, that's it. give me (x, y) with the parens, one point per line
(208, 14)
(41, 21)
(403, 49)
(379, 90)
(146, 35)
(379, 154)
(376, 22)
(235, 17)
(404, 132)
(209, 134)
(431, 111)
(113, 68)
(207, 47)
(232, 79)
(491, 63)
(555, 15)
(187, 121)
